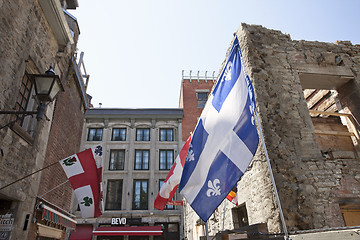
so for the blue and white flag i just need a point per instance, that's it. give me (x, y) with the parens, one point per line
(224, 141)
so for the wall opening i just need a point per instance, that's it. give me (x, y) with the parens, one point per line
(335, 128)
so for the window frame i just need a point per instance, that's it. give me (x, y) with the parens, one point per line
(142, 159)
(113, 165)
(166, 134)
(167, 164)
(96, 129)
(117, 191)
(120, 134)
(141, 137)
(200, 102)
(143, 205)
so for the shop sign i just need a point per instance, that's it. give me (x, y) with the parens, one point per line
(118, 221)
(6, 223)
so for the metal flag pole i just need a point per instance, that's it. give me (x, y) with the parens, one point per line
(207, 230)
(54, 188)
(272, 178)
(223, 223)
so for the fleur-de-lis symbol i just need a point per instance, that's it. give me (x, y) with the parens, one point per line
(87, 201)
(214, 188)
(251, 107)
(98, 150)
(227, 75)
(190, 156)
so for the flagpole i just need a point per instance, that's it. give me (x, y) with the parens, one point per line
(272, 178)
(54, 188)
(207, 230)
(223, 223)
(41, 169)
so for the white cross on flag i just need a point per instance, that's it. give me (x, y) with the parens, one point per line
(84, 171)
(224, 141)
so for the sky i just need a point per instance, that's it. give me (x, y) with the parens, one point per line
(135, 50)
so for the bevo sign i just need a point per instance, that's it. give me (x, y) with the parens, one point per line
(118, 221)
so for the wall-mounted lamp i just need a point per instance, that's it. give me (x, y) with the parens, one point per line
(47, 86)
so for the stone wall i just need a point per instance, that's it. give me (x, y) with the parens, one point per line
(26, 39)
(311, 186)
(306, 181)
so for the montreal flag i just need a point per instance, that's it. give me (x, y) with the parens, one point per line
(84, 171)
(224, 141)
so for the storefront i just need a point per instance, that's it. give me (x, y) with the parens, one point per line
(85, 232)
(126, 229)
(135, 232)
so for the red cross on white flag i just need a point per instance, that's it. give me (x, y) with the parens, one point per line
(84, 171)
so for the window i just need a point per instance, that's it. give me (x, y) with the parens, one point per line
(142, 159)
(25, 102)
(113, 195)
(240, 217)
(23, 98)
(140, 200)
(166, 159)
(95, 134)
(170, 231)
(166, 134)
(117, 159)
(168, 207)
(118, 134)
(201, 98)
(143, 134)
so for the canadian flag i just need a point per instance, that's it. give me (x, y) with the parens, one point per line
(168, 189)
(84, 171)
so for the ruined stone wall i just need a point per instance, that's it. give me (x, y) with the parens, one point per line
(311, 186)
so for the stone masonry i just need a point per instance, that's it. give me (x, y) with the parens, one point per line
(28, 43)
(311, 186)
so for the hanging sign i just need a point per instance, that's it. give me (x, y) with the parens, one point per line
(6, 223)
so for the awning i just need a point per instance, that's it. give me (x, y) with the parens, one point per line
(82, 232)
(51, 215)
(133, 231)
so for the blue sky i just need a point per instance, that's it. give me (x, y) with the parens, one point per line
(135, 50)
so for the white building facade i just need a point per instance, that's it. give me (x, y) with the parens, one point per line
(139, 148)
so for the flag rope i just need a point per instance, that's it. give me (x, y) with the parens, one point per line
(30, 174)
(272, 178)
(54, 188)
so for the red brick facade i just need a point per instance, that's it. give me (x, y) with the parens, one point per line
(64, 140)
(188, 102)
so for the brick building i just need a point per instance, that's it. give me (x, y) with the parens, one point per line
(307, 96)
(193, 96)
(139, 148)
(33, 36)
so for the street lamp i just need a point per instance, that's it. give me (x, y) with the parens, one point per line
(47, 86)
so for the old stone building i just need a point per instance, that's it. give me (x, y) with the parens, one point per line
(33, 36)
(307, 96)
(139, 148)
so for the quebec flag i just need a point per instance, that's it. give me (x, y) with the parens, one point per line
(224, 141)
